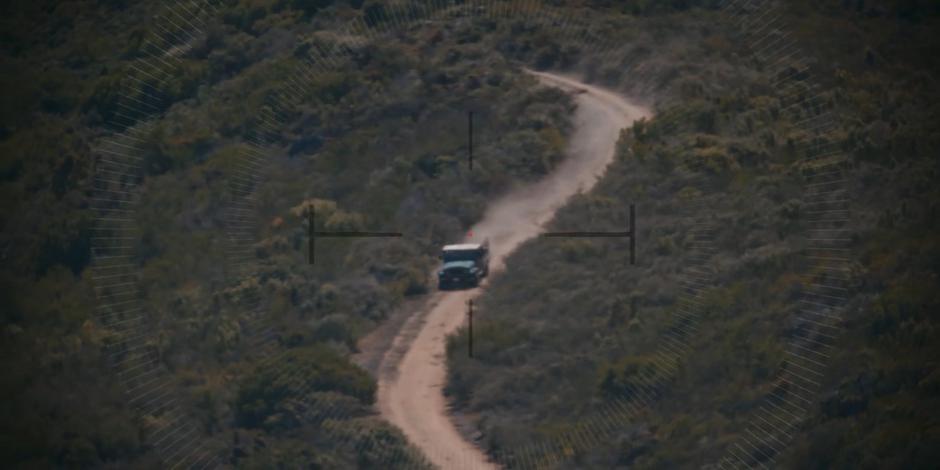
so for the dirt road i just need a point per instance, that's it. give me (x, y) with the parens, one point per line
(412, 372)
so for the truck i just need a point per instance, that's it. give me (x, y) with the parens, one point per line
(463, 265)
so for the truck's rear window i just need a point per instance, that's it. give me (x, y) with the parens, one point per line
(461, 255)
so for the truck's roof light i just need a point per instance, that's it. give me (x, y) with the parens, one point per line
(464, 246)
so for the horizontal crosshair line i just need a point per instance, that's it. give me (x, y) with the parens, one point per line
(357, 234)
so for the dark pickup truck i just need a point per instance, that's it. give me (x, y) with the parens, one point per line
(465, 265)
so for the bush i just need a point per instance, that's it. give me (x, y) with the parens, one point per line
(264, 397)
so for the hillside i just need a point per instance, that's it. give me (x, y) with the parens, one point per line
(159, 160)
(376, 142)
(729, 343)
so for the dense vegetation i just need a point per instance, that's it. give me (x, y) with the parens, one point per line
(376, 141)
(571, 327)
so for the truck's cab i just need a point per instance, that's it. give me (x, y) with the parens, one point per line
(464, 265)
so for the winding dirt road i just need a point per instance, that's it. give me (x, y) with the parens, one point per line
(412, 372)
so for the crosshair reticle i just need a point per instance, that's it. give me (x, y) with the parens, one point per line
(795, 118)
(631, 234)
(312, 234)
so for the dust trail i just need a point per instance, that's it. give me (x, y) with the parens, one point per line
(411, 395)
